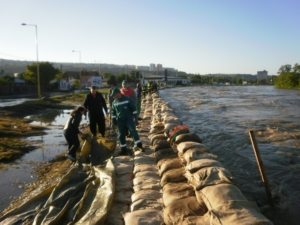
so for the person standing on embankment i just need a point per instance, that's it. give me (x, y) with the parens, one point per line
(95, 104)
(124, 116)
(71, 131)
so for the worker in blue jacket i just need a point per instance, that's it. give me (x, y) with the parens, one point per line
(124, 115)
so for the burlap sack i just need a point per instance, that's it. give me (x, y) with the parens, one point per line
(184, 146)
(193, 154)
(160, 144)
(154, 185)
(156, 137)
(148, 174)
(202, 163)
(174, 191)
(168, 164)
(144, 167)
(144, 217)
(146, 204)
(145, 159)
(123, 168)
(143, 180)
(176, 212)
(146, 194)
(123, 197)
(173, 176)
(208, 176)
(167, 153)
(187, 137)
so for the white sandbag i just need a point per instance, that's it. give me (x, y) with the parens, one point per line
(144, 217)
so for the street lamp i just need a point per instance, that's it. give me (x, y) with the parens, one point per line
(79, 53)
(37, 57)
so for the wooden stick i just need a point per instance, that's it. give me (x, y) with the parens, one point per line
(261, 167)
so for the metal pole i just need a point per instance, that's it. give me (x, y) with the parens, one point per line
(37, 58)
(261, 167)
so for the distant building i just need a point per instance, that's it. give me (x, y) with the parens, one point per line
(152, 67)
(262, 75)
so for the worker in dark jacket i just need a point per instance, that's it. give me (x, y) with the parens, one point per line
(95, 105)
(124, 116)
(71, 131)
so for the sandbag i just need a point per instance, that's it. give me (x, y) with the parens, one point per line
(176, 212)
(184, 146)
(144, 217)
(237, 213)
(217, 195)
(208, 176)
(146, 194)
(138, 160)
(144, 167)
(164, 154)
(202, 163)
(195, 153)
(142, 180)
(146, 204)
(173, 176)
(175, 191)
(187, 137)
(123, 197)
(160, 144)
(168, 164)
(148, 174)
(154, 185)
(123, 168)
(157, 137)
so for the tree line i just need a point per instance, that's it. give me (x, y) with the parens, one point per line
(288, 76)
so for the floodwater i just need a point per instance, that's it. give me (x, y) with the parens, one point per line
(15, 175)
(222, 117)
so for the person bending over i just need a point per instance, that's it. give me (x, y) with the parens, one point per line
(71, 131)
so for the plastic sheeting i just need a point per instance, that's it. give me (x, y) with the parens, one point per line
(83, 196)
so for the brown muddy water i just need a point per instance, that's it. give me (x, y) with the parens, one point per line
(16, 175)
(222, 116)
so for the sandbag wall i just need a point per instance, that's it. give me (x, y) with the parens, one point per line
(197, 189)
(138, 197)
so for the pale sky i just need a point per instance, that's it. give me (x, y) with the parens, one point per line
(195, 36)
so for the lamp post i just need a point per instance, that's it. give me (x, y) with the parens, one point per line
(37, 57)
(79, 53)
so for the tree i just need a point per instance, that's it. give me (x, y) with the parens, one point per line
(47, 73)
(289, 77)
(285, 68)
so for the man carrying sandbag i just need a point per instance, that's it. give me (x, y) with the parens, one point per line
(124, 115)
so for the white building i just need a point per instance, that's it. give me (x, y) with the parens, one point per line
(262, 75)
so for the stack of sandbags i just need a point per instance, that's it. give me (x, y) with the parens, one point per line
(123, 190)
(180, 203)
(146, 200)
(213, 185)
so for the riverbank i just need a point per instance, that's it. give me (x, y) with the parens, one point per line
(15, 126)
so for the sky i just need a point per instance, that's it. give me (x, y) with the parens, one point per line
(194, 36)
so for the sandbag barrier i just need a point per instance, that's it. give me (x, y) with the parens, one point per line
(197, 189)
(138, 192)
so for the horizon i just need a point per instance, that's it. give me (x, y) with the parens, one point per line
(227, 37)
